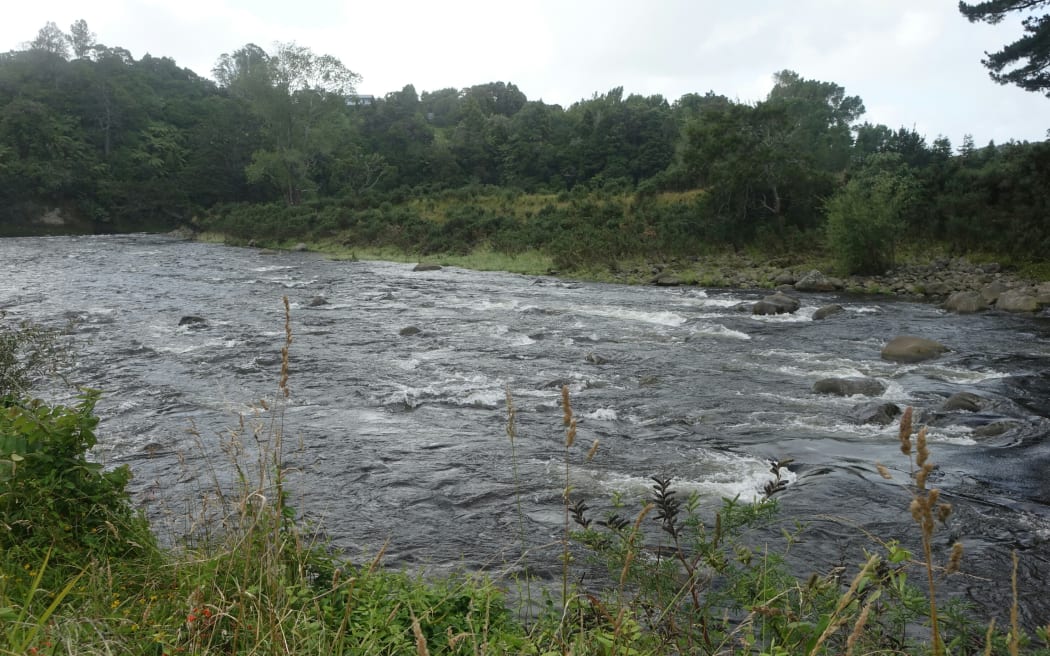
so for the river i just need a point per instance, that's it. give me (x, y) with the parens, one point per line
(401, 439)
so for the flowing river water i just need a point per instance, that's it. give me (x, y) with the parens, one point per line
(401, 439)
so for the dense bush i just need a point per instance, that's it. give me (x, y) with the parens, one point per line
(53, 498)
(866, 217)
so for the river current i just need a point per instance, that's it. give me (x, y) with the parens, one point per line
(401, 439)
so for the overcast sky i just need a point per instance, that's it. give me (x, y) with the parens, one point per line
(915, 63)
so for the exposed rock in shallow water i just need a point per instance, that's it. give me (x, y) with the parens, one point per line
(882, 414)
(427, 267)
(193, 321)
(1017, 300)
(779, 303)
(408, 331)
(815, 281)
(827, 311)
(912, 349)
(965, 303)
(667, 280)
(991, 292)
(849, 386)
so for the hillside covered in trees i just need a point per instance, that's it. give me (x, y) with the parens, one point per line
(281, 147)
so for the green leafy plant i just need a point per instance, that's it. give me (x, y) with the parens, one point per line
(53, 497)
(865, 219)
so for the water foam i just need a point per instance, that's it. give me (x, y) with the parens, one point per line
(602, 414)
(660, 317)
(709, 473)
(718, 330)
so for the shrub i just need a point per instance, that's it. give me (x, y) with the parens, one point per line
(53, 497)
(865, 218)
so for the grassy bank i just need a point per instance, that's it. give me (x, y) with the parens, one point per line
(602, 236)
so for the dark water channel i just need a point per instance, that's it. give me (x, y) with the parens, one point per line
(403, 438)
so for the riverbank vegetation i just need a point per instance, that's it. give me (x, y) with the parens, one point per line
(280, 150)
(83, 573)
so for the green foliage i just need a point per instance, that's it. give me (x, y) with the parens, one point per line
(1025, 61)
(865, 219)
(53, 497)
(118, 144)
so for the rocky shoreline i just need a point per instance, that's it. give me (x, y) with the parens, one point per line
(955, 284)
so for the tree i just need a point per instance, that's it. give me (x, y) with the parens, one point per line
(51, 40)
(300, 100)
(866, 217)
(1025, 62)
(81, 39)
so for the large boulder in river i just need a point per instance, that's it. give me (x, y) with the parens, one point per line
(192, 321)
(1017, 300)
(849, 386)
(965, 303)
(779, 303)
(815, 281)
(912, 349)
(881, 414)
(991, 292)
(827, 311)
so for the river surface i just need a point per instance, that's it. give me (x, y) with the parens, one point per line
(402, 439)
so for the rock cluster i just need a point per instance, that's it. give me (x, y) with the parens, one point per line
(954, 282)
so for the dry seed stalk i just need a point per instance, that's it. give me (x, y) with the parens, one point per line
(922, 508)
(905, 432)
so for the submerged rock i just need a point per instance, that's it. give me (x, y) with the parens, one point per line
(906, 348)
(994, 429)
(317, 301)
(963, 401)
(594, 358)
(426, 267)
(408, 331)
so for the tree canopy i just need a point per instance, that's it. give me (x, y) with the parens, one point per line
(1025, 62)
(280, 147)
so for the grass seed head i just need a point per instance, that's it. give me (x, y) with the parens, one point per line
(954, 559)
(905, 431)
